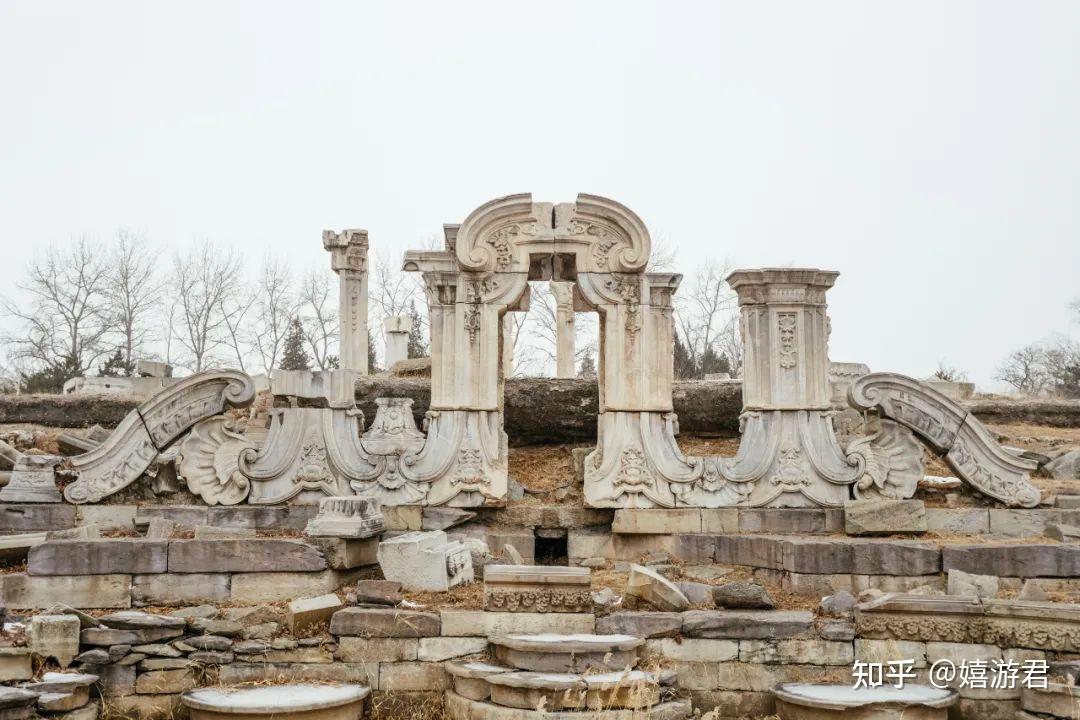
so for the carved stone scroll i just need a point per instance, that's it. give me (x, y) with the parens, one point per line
(951, 431)
(151, 428)
(210, 461)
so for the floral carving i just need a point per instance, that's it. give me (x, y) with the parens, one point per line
(893, 460)
(790, 472)
(472, 321)
(634, 469)
(630, 294)
(786, 325)
(546, 600)
(209, 461)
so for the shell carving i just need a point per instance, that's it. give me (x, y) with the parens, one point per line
(209, 461)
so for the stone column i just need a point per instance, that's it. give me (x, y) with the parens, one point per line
(397, 329)
(348, 258)
(508, 345)
(564, 328)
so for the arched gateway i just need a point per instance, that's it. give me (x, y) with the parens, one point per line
(789, 455)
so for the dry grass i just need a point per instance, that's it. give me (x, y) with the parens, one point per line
(543, 468)
(468, 596)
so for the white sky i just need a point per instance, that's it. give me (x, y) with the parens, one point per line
(929, 151)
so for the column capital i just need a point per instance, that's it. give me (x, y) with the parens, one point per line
(348, 249)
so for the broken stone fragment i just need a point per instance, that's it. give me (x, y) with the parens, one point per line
(378, 592)
(743, 595)
(970, 585)
(650, 586)
(840, 604)
(883, 516)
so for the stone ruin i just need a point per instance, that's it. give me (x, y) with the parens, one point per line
(316, 537)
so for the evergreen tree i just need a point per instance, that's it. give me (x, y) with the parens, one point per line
(371, 353)
(49, 379)
(713, 362)
(294, 356)
(588, 367)
(417, 347)
(685, 367)
(115, 366)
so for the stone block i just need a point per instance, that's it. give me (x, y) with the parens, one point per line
(696, 650)
(796, 652)
(55, 636)
(292, 656)
(657, 521)
(1057, 699)
(747, 624)
(477, 623)
(807, 555)
(883, 651)
(384, 622)
(589, 543)
(15, 548)
(115, 680)
(1008, 560)
(896, 583)
(753, 677)
(733, 703)
(640, 624)
(239, 673)
(306, 613)
(719, 520)
(265, 517)
(28, 517)
(968, 585)
(437, 649)
(185, 515)
(165, 706)
(816, 585)
(379, 592)
(527, 588)
(1018, 523)
(209, 532)
(412, 676)
(884, 516)
(521, 540)
(403, 517)
(15, 664)
(756, 551)
(29, 592)
(790, 520)
(894, 557)
(153, 682)
(742, 595)
(107, 515)
(363, 649)
(959, 521)
(244, 556)
(272, 587)
(425, 561)
(168, 590)
(98, 557)
(652, 587)
(346, 517)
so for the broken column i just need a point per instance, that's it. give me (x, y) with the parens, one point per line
(564, 328)
(32, 480)
(397, 329)
(348, 258)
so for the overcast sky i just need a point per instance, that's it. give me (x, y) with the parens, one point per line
(929, 151)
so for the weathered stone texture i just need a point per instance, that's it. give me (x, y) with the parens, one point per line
(27, 592)
(244, 556)
(640, 624)
(178, 590)
(476, 623)
(1022, 560)
(747, 624)
(28, 517)
(98, 557)
(389, 622)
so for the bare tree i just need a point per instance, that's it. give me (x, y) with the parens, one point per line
(235, 307)
(663, 254)
(318, 318)
(1025, 370)
(275, 308)
(1061, 359)
(63, 312)
(948, 373)
(204, 283)
(132, 292)
(704, 309)
(730, 343)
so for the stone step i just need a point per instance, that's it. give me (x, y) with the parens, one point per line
(567, 653)
(470, 677)
(280, 701)
(462, 708)
(1057, 700)
(796, 701)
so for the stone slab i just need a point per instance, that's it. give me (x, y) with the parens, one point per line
(28, 517)
(244, 556)
(271, 587)
(384, 622)
(1014, 560)
(635, 521)
(28, 592)
(98, 557)
(959, 521)
(642, 624)
(747, 624)
(477, 623)
(180, 590)
(369, 649)
(279, 517)
(186, 515)
(884, 516)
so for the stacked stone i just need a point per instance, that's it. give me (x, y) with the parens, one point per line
(586, 675)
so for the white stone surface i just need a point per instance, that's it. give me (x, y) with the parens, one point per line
(396, 329)
(347, 517)
(32, 480)
(349, 258)
(425, 561)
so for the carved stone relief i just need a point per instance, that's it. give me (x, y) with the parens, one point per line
(210, 461)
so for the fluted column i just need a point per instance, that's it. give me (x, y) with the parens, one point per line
(348, 258)
(564, 328)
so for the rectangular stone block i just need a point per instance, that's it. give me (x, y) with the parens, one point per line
(760, 551)
(521, 540)
(179, 590)
(30, 592)
(753, 677)
(384, 622)
(816, 585)
(1020, 560)
(165, 706)
(895, 557)
(796, 652)
(350, 672)
(696, 650)
(107, 515)
(348, 553)
(687, 548)
(15, 664)
(657, 521)
(1018, 523)
(884, 651)
(589, 542)
(437, 649)
(412, 677)
(244, 556)
(643, 624)
(747, 624)
(403, 517)
(262, 517)
(817, 556)
(271, 587)
(790, 520)
(186, 515)
(896, 583)
(305, 613)
(164, 681)
(719, 520)
(477, 623)
(362, 649)
(27, 517)
(959, 521)
(884, 516)
(98, 557)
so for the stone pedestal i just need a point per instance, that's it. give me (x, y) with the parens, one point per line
(564, 328)
(32, 480)
(348, 258)
(397, 329)
(347, 517)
